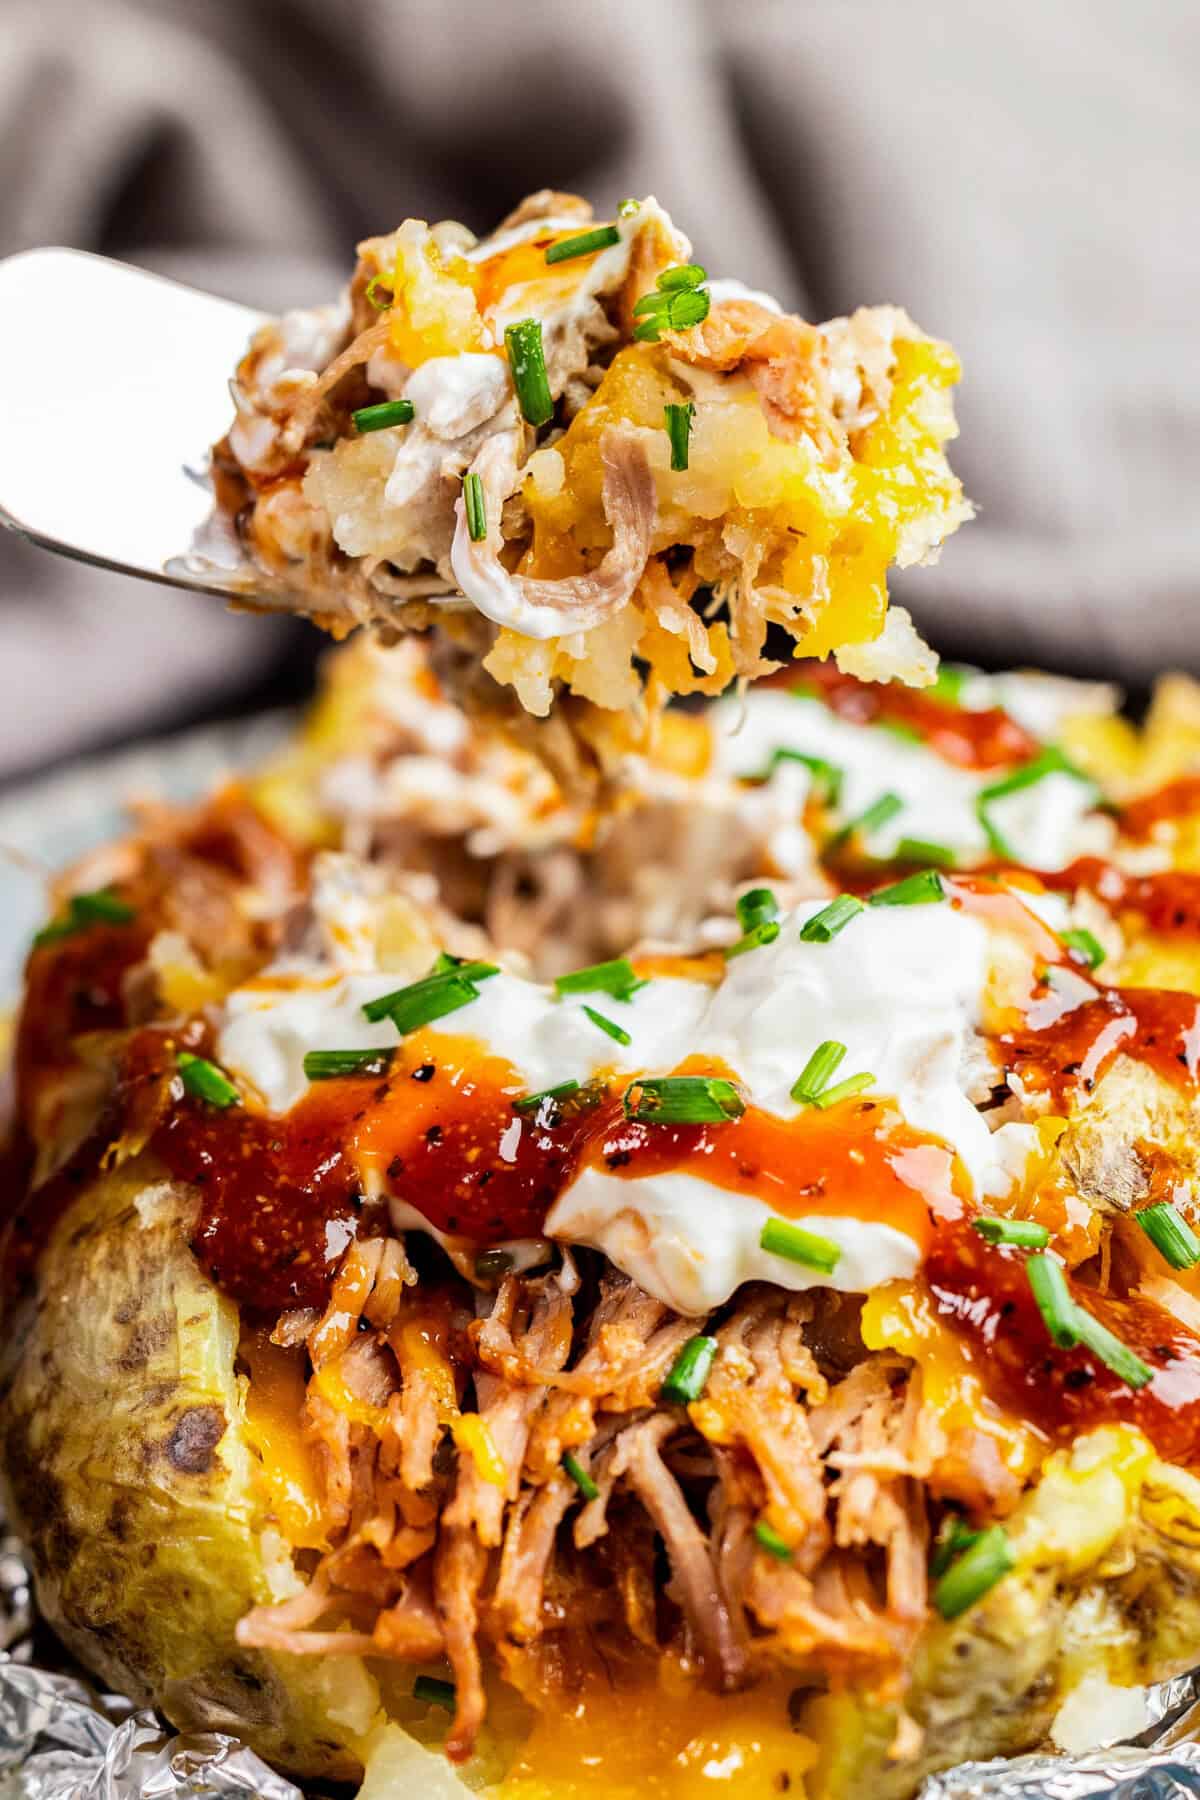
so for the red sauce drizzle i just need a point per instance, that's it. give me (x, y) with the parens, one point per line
(1166, 902)
(984, 1293)
(988, 739)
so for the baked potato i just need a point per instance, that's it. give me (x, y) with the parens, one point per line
(391, 1383)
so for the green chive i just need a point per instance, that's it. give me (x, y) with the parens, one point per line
(423, 1001)
(827, 777)
(922, 850)
(845, 1090)
(914, 890)
(99, 907)
(205, 1081)
(908, 734)
(1070, 1324)
(690, 1371)
(437, 1693)
(779, 1237)
(1051, 761)
(616, 978)
(772, 1543)
(683, 1100)
(475, 507)
(679, 430)
(326, 1065)
(975, 1573)
(681, 277)
(531, 1103)
(379, 418)
(1053, 1296)
(527, 361)
(1115, 1355)
(817, 1071)
(756, 907)
(611, 1029)
(765, 932)
(580, 1476)
(583, 245)
(952, 678)
(1017, 1234)
(377, 284)
(1170, 1234)
(824, 926)
(1087, 945)
(880, 812)
(954, 1536)
(627, 208)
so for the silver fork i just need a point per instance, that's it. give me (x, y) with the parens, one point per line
(113, 384)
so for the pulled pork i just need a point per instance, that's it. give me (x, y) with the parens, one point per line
(439, 1417)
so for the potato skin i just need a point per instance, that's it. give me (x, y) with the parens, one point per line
(128, 1477)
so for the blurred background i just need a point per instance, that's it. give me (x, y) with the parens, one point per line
(1022, 177)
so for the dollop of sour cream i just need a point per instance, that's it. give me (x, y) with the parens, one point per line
(1046, 825)
(902, 987)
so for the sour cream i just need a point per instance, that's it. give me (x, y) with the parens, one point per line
(1047, 825)
(902, 987)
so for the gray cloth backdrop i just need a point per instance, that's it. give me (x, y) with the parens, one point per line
(1021, 175)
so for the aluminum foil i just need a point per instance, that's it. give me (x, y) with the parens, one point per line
(61, 1740)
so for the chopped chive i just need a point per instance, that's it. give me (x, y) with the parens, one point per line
(583, 245)
(379, 418)
(1016, 1234)
(1170, 1234)
(545, 1097)
(579, 1475)
(974, 1573)
(205, 1081)
(914, 890)
(492, 1265)
(437, 1693)
(99, 907)
(1115, 1355)
(879, 813)
(953, 1537)
(817, 1071)
(1086, 944)
(475, 507)
(375, 286)
(326, 1065)
(616, 978)
(772, 1543)
(1051, 761)
(682, 1100)
(445, 962)
(952, 678)
(765, 932)
(923, 850)
(827, 777)
(908, 734)
(611, 1029)
(845, 1090)
(779, 1237)
(423, 1001)
(756, 907)
(680, 277)
(689, 1373)
(1070, 1324)
(627, 208)
(1053, 1296)
(679, 430)
(527, 361)
(824, 926)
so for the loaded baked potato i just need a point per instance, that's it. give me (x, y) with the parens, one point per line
(777, 1354)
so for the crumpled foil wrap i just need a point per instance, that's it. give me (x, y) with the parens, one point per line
(61, 1740)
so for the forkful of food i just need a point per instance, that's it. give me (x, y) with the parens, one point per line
(598, 471)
